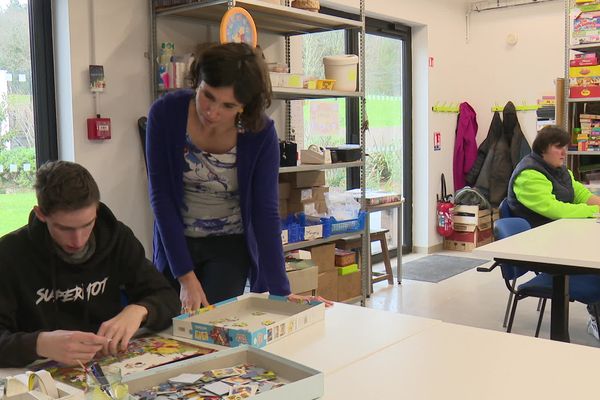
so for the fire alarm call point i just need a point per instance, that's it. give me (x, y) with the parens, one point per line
(98, 128)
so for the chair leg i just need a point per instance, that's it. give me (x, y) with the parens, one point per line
(539, 324)
(539, 304)
(509, 302)
(512, 313)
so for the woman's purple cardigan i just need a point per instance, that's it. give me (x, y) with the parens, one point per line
(257, 170)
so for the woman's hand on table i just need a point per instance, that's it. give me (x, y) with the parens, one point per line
(192, 295)
(300, 299)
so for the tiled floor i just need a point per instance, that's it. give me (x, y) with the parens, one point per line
(472, 298)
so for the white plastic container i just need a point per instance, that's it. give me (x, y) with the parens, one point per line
(343, 69)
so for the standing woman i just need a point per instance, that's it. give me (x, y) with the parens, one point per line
(213, 164)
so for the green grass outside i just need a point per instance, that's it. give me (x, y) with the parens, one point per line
(383, 112)
(14, 210)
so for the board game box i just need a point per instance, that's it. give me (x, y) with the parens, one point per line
(251, 319)
(231, 374)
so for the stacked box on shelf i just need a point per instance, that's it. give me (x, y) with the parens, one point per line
(472, 228)
(585, 23)
(348, 283)
(307, 192)
(584, 81)
(310, 200)
(324, 257)
(589, 138)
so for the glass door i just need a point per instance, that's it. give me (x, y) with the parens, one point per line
(388, 142)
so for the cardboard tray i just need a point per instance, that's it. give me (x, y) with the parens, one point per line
(223, 323)
(304, 383)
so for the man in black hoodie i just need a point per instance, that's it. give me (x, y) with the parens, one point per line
(75, 281)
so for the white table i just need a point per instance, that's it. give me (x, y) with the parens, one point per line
(348, 333)
(450, 361)
(565, 246)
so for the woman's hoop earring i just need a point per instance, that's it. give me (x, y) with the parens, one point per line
(238, 123)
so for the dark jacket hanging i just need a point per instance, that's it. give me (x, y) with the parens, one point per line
(519, 148)
(508, 148)
(494, 132)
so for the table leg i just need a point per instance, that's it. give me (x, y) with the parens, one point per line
(559, 324)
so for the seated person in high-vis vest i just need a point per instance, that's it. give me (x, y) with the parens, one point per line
(542, 189)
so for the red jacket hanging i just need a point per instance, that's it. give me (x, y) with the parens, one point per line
(465, 145)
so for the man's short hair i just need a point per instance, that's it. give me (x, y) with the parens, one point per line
(550, 135)
(64, 186)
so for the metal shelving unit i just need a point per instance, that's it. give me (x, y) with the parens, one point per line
(320, 167)
(285, 21)
(571, 104)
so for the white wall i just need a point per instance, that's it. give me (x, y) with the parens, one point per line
(482, 72)
(121, 39)
(521, 73)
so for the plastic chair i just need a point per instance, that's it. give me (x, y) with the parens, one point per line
(505, 209)
(582, 288)
(516, 272)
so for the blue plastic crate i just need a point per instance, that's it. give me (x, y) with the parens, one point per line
(331, 226)
(296, 225)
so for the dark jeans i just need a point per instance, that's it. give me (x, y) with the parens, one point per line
(221, 264)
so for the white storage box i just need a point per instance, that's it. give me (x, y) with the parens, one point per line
(253, 319)
(304, 383)
(343, 69)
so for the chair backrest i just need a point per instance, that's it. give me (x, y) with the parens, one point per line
(503, 228)
(505, 209)
(142, 121)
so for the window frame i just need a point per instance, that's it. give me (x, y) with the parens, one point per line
(42, 78)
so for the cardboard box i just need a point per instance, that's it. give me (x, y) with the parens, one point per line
(344, 257)
(285, 236)
(467, 241)
(583, 59)
(348, 269)
(304, 280)
(308, 208)
(304, 383)
(284, 190)
(577, 92)
(483, 224)
(283, 208)
(306, 195)
(235, 322)
(304, 179)
(584, 71)
(324, 257)
(349, 286)
(328, 286)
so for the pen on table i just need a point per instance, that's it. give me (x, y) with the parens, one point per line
(98, 374)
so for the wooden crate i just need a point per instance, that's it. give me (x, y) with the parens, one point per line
(467, 241)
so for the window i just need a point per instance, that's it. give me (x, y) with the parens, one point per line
(27, 114)
(388, 106)
(323, 121)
